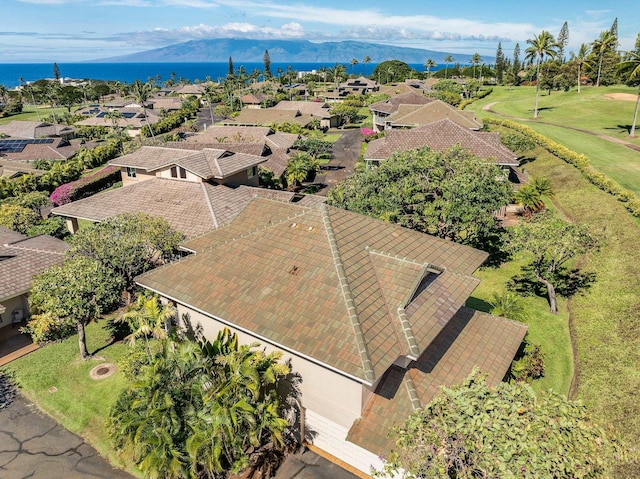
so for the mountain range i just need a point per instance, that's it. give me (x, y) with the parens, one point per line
(281, 51)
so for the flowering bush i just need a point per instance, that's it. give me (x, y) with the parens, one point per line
(367, 132)
(85, 186)
(44, 328)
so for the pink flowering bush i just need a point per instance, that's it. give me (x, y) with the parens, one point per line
(86, 186)
(367, 132)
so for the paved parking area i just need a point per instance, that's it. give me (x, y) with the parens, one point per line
(34, 446)
(308, 465)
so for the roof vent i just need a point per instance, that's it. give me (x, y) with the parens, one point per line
(294, 270)
(294, 225)
(310, 228)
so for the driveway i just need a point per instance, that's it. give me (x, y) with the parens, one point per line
(345, 154)
(34, 446)
(309, 465)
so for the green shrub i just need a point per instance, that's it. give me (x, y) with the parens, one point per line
(44, 328)
(131, 364)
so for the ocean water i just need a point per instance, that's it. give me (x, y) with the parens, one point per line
(10, 73)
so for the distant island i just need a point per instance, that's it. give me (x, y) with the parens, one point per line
(245, 50)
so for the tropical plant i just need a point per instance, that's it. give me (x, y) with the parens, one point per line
(603, 44)
(300, 166)
(202, 410)
(509, 305)
(582, 61)
(447, 60)
(148, 318)
(541, 45)
(80, 291)
(475, 431)
(429, 65)
(18, 218)
(141, 92)
(633, 63)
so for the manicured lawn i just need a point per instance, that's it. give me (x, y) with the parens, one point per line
(80, 403)
(550, 331)
(29, 114)
(590, 110)
(605, 316)
(332, 137)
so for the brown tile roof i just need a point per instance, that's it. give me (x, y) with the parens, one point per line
(440, 136)
(254, 98)
(12, 169)
(231, 134)
(398, 89)
(280, 139)
(392, 104)
(21, 258)
(256, 149)
(277, 161)
(34, 129)
(167, 103)
(191, 208)
(137, 121)
(206, 163)
(267, 116)
(312, 108)
(471, 339)
(297, 264)
(418, 115)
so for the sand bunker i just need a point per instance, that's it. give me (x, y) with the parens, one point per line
(622, 96)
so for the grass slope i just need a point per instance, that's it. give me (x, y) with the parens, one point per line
(605, 317)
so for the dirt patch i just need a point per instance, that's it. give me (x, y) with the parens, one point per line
(102, 371)
(622, 96)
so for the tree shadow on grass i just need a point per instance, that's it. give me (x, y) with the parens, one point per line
(479, 304)
(567, 282)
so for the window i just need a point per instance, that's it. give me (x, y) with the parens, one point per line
(178, 172)
(131, 172)
(251, 172)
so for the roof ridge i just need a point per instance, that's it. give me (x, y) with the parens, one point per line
(367, 366)
(209, 205)
(413, 393)
(15, 245)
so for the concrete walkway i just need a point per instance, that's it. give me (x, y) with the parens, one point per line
(309, 465)
(34, 446)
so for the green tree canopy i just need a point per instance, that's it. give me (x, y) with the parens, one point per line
(392, 71)
(300, 166)
(202, 410)
(474, 431)
(128, 244)
(81, 290)
(452, 195)
(18, 218)
(552, 242)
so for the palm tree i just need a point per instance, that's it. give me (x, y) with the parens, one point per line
(298, 169)
(541, 45)
(147, 318)
(530, 199)
(366, 60)
(475, 60)
(141, 92)
(600, 46)
(430, 64)
(353, 63)
(509, 305)
(581, 60)
(633, 61)
(448, 59)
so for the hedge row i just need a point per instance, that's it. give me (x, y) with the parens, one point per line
(580, 161)
(86, 186)
(173, 120)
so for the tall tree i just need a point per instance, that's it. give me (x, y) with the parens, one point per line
(633, 63)
(552, 242)
(353, 63)
(366, 60)
(603, 44)
(231, 71)
(128, 244)
(476, 431)
(516, 63)
(300, 166)
(563, 41)
(614, 33)
(56, 72)
(475, 60)
(447, 60)
(141, 92)
(499, 63)
(582, 61)
(457, 202)
(541, 45)
(81, 290)
(266, 60)
(429, 65)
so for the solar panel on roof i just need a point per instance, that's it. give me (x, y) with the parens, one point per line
(128, 115)
(17, 146)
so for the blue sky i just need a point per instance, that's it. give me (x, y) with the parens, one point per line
(75, 30)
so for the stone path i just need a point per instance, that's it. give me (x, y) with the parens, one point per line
(34, 446)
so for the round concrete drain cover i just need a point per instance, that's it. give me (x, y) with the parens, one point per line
(102, 371)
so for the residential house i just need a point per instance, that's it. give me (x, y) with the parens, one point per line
(383, 109)
(441, 136)
(358, 86)
(255, 100)
(193, 90)
(131, 119)
(14, 169)
(412, 116)
(20, 259)
(315, 109)
(267, 117)
(370, 314)
(194, 190)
